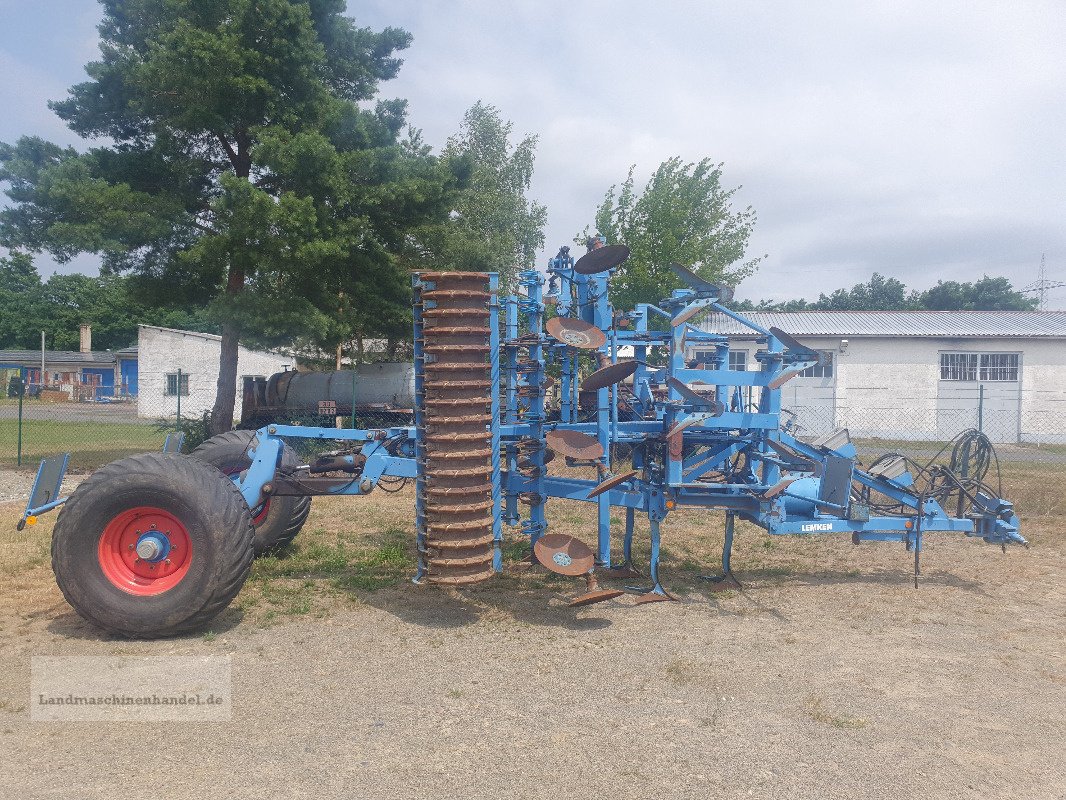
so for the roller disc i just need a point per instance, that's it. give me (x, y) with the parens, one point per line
(609, 375)
(564, 554)
(574, 444)
(601, 259)
(455, 454)
(576, 333)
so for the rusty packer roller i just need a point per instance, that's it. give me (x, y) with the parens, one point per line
(453, 412)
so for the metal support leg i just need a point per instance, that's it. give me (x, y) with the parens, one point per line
(727, 553)
(625, 569)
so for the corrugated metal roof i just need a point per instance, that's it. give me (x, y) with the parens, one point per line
(31, 357)
(949, 324)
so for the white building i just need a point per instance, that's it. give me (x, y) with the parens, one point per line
(919, 374)
(182, 366)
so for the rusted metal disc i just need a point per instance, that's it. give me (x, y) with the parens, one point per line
(576, 333)
(609, 375)
(564, 554)
(574, 444)
(610, 483)
(601, 259)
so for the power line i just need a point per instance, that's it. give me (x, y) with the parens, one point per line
(1042, 285)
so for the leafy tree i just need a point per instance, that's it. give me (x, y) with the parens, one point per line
(61, 304)
(878, 294)
(987, 294)
(244, 169)
(19, 282)
(889, 294)
(684, 215)
(492, 226)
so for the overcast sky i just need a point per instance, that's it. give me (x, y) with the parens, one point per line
(921, 140)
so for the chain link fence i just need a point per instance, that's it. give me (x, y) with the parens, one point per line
(908, 427)
(101, 424)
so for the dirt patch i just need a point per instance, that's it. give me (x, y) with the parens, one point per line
(827, 675)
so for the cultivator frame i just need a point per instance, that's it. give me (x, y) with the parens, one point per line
(690, 434)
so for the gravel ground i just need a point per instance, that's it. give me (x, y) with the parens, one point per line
(818, 684)
(15, 484)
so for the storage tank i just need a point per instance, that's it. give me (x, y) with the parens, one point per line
(384, 384)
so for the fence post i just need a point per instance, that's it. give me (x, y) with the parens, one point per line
(981, 407)
(177, 424)
(22, 393)
(353, 396)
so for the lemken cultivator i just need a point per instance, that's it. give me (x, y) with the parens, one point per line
(505, 388)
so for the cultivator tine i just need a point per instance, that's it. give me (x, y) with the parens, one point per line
(659, 595)
(694, 397)
(610, 483)
(701, 286)
(783, 378)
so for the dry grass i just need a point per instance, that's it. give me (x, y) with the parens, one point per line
(353, 548)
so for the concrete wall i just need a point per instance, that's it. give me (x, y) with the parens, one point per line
(164, 350)
(890, 388)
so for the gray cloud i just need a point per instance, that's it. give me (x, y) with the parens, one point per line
(920, 140)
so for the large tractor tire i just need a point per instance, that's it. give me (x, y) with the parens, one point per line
(280, 518)
(153, 545)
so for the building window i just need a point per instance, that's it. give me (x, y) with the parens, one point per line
(999, 366)
(738, 361)
(824, 367)
(172, 384)
(958, 366)
(979, 366)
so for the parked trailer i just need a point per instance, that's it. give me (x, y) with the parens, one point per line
(159, 543)
(382, 391)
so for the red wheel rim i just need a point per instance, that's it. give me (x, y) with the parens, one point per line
(264, 509)
(120, 562)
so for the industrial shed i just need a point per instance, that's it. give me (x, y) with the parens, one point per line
(182, 366)
(920, 375)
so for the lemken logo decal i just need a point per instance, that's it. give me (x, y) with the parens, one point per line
(811, 527)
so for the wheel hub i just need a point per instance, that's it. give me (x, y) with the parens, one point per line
(145, 550)
(153, 546)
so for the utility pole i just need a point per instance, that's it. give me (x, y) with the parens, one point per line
(42, 359)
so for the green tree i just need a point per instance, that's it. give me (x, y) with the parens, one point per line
(890, 294)
(60, 305)
(244, 169)
(684, 215)
(987, 294)
(878, 294)
(19, 284)
(493, 226)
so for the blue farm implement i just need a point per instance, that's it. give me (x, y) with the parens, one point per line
(505, 387)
